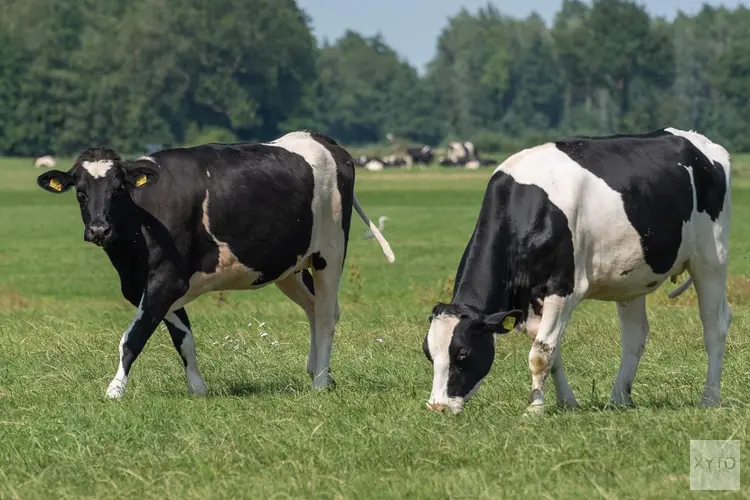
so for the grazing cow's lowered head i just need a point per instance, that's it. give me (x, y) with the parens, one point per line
(461, 346)
(103, 183)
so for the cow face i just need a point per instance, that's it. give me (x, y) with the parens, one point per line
(461, 346)
(103, 184)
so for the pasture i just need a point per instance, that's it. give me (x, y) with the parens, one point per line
(261, 433)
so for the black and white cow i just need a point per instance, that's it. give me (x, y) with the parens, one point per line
(607, 218)
(184, 222)
(419, 156)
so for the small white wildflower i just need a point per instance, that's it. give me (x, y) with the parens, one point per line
(263, 334)
(275, 343)
(249, 324)
(380, 341)
(261, 325)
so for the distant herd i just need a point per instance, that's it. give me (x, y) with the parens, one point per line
(458, 154)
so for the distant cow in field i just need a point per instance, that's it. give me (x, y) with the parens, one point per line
(46, 161)
(419, 156)
(184, 222)
(607, 218)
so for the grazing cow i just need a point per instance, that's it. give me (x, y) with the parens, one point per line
(184, 222)
(374, 165)
(46, 161)
(419, 156)
(607, 218)
(461, 152)
(394, 161)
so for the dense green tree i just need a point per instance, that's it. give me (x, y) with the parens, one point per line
(126, 74)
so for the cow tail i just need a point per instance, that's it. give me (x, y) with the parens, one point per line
(681, 289)
(378, 236)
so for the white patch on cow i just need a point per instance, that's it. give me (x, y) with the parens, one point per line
(605, 243)
(713, 151)
(45, 161)
(208, 174)
(327, 238)
(374, 166)
(195, 382)
(116, 388)
(148, 158)
(439, 339)
(229, 274)
(97, 169)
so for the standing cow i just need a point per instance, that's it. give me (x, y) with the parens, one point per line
(607, 218)
(184, 222)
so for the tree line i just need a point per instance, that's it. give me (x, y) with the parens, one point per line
(75, 73)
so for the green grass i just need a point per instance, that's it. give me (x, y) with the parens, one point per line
(262, 433)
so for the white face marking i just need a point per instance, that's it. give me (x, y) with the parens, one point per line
(97, 169)
(438, 341)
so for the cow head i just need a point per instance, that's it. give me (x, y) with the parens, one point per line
(461, 346)
(103, 184)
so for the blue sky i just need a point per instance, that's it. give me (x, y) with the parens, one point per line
(412, 26)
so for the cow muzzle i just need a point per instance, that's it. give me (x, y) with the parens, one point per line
(99, 234)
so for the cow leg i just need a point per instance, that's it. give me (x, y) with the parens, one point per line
(633, 333)
(563, 392)
(302, 293)
(716, 316)
(152, 308)
(178, 325)
(326, 316)
(555, 316)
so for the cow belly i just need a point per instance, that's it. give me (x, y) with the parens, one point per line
(233, 277)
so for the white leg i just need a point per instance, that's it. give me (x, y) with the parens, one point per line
(633, 333)
(326, 305)
(295, 288)
(716, 316)
(563, 392)
(116, 388)
(184, 342)
(555, 316)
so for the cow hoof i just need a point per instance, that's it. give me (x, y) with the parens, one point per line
(568, 404)
(534, 410)
(710, 402)
(116, 390)
(324, 382)
(197, 389)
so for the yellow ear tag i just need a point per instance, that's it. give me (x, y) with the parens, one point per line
(141, 181)
(55, 184)
(509, 322)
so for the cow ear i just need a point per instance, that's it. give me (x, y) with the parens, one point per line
(55, 181)
(501, 322)
(140, 176)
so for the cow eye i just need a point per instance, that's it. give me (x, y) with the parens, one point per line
(462, 354)
(81, 196)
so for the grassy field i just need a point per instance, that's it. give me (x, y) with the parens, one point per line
(262, 433)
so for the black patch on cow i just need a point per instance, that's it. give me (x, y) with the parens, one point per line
(318, 262)
(344, 180)
(649, 172)
(308, 281)
(521, 250)
(259, 203)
